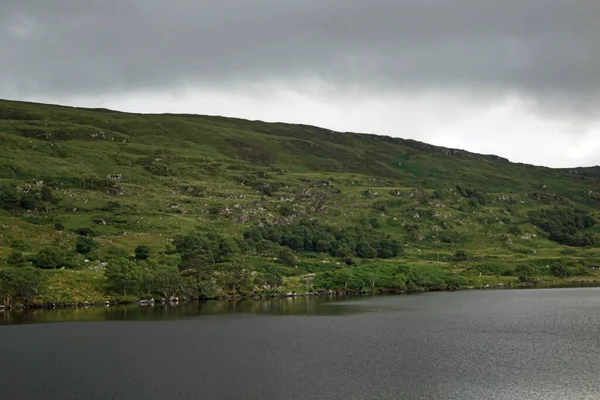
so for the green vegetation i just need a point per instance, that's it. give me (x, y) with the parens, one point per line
(97, 204)
(566, 226)
(313, 237)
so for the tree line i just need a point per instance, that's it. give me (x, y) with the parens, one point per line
(312, 236)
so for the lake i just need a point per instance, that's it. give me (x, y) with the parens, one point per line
(496, 344)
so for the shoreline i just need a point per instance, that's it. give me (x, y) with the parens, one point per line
(326, 293)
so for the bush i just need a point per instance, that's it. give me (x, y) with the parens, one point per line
(561, 270)
(52, 258)
(85, 232)
(475, 196)
(453, 237)
(85, 245)
(460, 255)
(12, 199)
(286, 257)
(515, 230)
(286, 210)
(142, 253)
(526, 273)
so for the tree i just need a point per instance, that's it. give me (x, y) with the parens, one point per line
(85, 232)
(47, 194)
(21, 284)
(346, 279)
(227, 248)
(162, 275)
(123, 276)
(53, 257)
(142, 253)
(85, 245)
(561, 270)
(286, 257)
(235, 276)
(526, 273)
(365, 250)
(199, 254)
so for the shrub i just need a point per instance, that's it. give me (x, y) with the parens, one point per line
(85, 245)
(85, 232)
(52, 258)
(142, 253)
(286, 210)
(460, 255)
(286, 257)
(526, 273)
(515, 230)
(561, 270)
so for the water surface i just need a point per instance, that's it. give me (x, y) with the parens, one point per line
(509, 344)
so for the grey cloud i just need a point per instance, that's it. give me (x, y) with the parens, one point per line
(546, 50)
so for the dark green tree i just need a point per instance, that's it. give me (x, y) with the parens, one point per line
(526, 273)
(161, 275)
(561, 270)
(21, 285)
(235, 276)
(47, 194)
(142, 253)
(52, 258)
(286, 257)
(199, 255)
(123, 276)
(85, 245)
(366, 250)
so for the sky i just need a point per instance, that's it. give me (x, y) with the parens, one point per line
(515, 78)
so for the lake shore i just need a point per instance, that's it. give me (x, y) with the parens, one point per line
(144, 302)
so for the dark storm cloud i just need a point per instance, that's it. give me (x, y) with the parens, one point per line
(543, 49)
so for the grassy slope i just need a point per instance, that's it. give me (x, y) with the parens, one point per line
(176, 169)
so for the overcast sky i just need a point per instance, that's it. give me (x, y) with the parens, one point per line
(516, 78)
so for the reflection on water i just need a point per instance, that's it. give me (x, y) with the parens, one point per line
(132, 312)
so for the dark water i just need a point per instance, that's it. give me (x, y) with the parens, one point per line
(525, 344)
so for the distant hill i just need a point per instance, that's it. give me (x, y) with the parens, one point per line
(140, 180)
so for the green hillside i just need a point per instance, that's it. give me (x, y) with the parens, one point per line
(221, 206)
